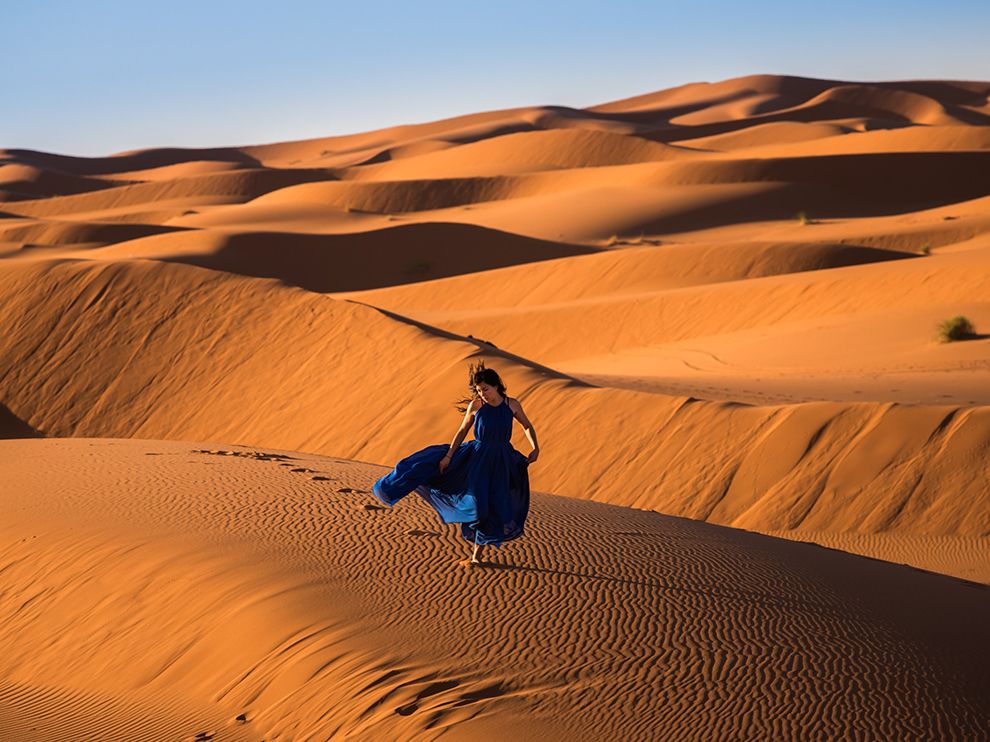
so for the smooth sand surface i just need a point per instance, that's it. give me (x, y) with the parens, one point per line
(161, 589)
(718, 302)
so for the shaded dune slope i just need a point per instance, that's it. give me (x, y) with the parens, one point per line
(23, 182)
(12, 426)
(342, 262)
(241, 184)
(66, 232)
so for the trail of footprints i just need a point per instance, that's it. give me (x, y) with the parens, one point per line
(284, 460)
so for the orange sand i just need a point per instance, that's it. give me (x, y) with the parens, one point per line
(160, 589)
(638, 273)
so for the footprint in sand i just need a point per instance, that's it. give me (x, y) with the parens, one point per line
(371, 506)
(298, 468)
(320, 479)
(421, 532)
(348, 490)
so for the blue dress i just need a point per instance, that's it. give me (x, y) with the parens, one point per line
(485, 487)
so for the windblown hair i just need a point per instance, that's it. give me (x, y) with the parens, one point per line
(477, 373)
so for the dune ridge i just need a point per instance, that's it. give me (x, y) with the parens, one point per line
(803, 466)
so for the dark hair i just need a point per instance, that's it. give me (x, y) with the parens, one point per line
(477, 373)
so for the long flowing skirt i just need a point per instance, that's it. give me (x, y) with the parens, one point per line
(485, 488)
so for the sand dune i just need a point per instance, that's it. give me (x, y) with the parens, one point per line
(709, 288)
(635, 268)
(965, 558)
(23, 182)
(124, 162)
(717, 301)
(64, 232)
(239, 184)
(177, 368)
(274, 599)
(774, 134)
(12, 426)
(701, 95)
(524, 152)
(710, 109)
(637, 319)
(894, 183)
(907, 139)
(342, 262)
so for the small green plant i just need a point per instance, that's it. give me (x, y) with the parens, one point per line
(926, 249)
(613, 240)
(955, 328)
(804, 218)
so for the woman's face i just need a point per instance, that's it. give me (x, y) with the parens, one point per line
(486, 391)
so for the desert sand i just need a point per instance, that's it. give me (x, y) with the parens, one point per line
(718, 304)
(165, 589)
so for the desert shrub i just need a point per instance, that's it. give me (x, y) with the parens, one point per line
(955, 328)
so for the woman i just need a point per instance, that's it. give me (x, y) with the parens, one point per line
(482, 484)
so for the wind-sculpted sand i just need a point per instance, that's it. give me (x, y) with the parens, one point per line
(179, 590)
(718, 303)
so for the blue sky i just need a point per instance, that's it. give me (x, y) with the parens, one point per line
(105, 76)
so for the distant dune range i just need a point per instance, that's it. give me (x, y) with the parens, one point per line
(718, 302)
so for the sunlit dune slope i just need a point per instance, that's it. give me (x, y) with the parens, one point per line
(525, 152)
(188, 590)
(187, 353)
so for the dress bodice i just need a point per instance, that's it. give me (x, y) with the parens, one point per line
(493, 423)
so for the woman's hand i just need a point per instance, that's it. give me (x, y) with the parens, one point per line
(444, 462)
(533, 455)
